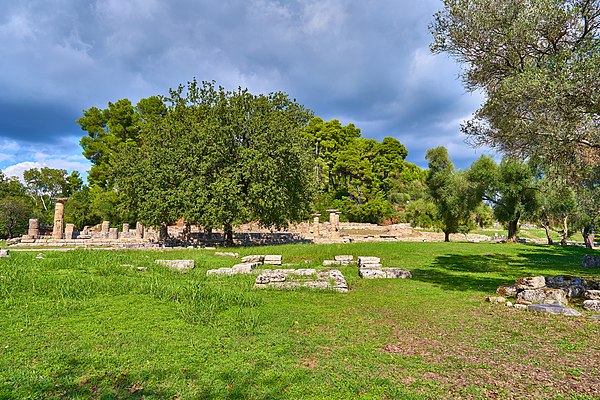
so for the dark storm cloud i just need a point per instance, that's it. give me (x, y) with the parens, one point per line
(37, 122)
(365, 62)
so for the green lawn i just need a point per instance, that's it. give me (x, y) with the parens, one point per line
(88, 324)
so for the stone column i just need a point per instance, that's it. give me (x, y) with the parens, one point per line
(316, 222)
(113, 233)
(70, 231)
(59, 219)
(125, 228)
(105, 229)
(334, 220)
(34, 228)
(139, 231)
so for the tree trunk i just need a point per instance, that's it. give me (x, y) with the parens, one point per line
(512, 231)
(228, 235)
(163, 233)
(548, 235)
(446, 236)
(588, 237)
(565, 232)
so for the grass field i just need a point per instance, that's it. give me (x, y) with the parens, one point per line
(88, 324)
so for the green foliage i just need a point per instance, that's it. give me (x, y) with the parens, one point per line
(451, 192)
(361, 177)
(119, 123)
(218, 159)
(422, 213)
(510, 188)
(15, 212)
(538, 63)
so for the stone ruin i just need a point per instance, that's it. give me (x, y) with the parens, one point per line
(551, 294)
(332, 279)
(183, 233)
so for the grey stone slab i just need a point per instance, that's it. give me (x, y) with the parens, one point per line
(554, 309)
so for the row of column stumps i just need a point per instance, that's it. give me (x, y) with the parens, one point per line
(60, 231)
(334, 220)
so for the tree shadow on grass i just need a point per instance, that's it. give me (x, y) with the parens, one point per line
(485, 272)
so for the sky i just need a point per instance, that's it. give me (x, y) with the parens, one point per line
(363, 62)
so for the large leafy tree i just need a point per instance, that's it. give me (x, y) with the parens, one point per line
(16, 207)
(450, 191)
(510, 188)
(538, 64)
(220, 158)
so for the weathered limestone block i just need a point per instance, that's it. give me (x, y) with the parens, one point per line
(507, 291)
(105, 228)
(368, 260)
(113, 233)
(371, 273)
(397, 273)
(531, 282)
(264, 279)
(590, 261)
(125, 228)
(34, 228)
(592, 294)
(315, 224)
(554, 309)
(272, 259)
(4, 254)
(339, 282)
(253, 259)
(327, 263)
(226, 254)
(542, 296)
(244, 268)
(70, 232)
(317, 285)
(178, 265)
(344, 258)
(139, 231)
(496, 299)
(591, 305)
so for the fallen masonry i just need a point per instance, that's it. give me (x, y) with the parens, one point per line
(551, 294)
(290, 279)
(339, 260)
(371, 268)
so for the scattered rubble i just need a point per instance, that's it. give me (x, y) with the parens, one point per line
(371, 268)
(551, 294)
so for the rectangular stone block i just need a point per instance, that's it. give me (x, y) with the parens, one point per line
(272, 259)
(253, 258)
(344, 258)
(368, 260)
(371, 273)
(531, 282)
(397, 273)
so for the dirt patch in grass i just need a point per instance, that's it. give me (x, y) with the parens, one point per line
(504, 355)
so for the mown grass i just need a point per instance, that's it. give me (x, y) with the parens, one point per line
(88, 324)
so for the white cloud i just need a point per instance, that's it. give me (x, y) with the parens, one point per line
(67, 164)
